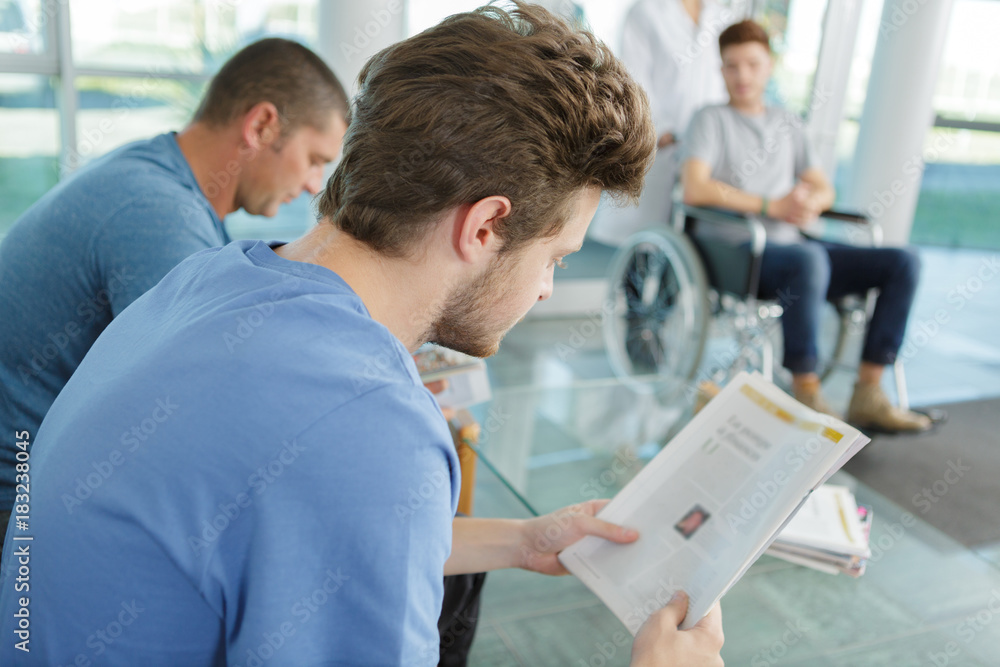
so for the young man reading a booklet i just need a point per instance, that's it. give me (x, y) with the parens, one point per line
(246, 469)
(756, 159)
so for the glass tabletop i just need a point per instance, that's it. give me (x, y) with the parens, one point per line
(924, 600)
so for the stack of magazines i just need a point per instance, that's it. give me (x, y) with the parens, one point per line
(829, 533)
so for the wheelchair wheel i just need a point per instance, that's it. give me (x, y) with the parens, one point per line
(657, 311)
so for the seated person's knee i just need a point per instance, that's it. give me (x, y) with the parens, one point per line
(907, 262)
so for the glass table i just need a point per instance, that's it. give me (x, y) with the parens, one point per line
(925, 599)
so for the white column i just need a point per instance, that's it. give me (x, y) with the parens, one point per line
(352, 32)
(826, 108)
(888, 161)
(66, 93)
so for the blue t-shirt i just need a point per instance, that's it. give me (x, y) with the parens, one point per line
(77, 258)
(245, 470)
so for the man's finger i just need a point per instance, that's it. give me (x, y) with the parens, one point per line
(437, 386)
(609, 531)
(712, 623)
(592, 507)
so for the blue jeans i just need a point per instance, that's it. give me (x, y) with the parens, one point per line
(802, 276)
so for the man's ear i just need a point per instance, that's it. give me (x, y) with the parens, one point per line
(475, 235)
(261, 125)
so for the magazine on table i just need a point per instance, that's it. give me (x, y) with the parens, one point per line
(712, 501)
(829, 533)
(467, 380)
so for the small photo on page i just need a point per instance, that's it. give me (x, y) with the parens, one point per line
(692, 521)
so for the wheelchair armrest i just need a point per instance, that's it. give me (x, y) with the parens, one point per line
(843, 215)
(754, 227)
(715, 214)
(731, 246)
(856, 223)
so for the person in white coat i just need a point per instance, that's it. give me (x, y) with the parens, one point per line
(670, 49)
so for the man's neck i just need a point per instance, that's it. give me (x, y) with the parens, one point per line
(210, 152)
(693, 9)
(749, 108)
(403, 294)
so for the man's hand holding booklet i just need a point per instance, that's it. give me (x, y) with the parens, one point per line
(712, 501)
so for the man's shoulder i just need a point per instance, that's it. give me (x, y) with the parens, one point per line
(712, 112)
(113, 182)
(151, 165)
(708, 121)
(313, 319)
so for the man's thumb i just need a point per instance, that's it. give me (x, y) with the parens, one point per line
(677, 608)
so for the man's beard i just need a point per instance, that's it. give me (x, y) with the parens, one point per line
(465, 323)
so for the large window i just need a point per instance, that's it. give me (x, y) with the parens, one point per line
(29, 151)
(80, 78)
(959, 202)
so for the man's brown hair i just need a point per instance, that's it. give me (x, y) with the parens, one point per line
(282, 72)
(743, 32)
(488, 102)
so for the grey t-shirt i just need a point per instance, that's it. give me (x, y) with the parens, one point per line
(763, 154)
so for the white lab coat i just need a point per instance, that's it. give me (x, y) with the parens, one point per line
(677, 63)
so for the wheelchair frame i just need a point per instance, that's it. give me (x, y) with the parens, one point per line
(717, 254)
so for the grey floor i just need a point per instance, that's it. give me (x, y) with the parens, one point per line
(915, 604)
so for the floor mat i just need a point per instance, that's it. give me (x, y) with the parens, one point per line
(949, 477)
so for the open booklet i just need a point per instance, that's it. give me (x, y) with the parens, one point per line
(712, 501)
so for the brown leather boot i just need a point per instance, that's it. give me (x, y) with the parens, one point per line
(870, 408)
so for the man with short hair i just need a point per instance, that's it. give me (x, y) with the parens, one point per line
(273, 483)
(272, 117)
(755, 159)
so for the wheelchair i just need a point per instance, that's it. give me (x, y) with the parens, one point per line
(670, 286)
